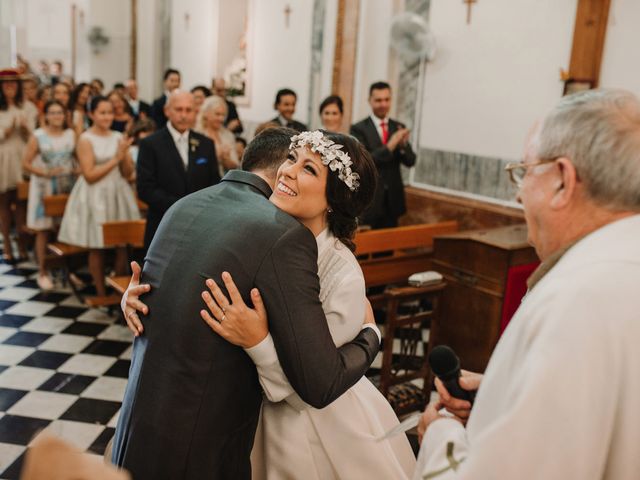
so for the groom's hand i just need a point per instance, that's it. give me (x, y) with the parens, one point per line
(130, 303)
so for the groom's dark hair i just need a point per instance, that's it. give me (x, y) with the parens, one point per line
(268, 150)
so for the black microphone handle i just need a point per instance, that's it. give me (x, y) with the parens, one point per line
(455, 390)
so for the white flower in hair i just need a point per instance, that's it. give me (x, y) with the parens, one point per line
(331, 155)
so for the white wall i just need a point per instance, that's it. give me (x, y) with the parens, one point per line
(112, 64)
(279, 56)
(372, 59)
(194, 43)
(620, 66)
(491, 79)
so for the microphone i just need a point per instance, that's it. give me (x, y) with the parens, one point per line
(445, 365)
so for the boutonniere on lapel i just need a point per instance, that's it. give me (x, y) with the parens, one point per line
(194, 142)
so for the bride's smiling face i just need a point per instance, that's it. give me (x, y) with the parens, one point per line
(300, 188)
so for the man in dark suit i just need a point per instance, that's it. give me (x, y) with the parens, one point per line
(141, 110)
(285, 104)
(171, 82)
(388, 142)
(174, 161)
(192, 402)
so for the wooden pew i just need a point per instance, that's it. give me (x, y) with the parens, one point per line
(409, 251)
(129, 233)
(408, 310)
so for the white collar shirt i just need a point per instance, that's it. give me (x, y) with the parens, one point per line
(182, 142)
(377, 121)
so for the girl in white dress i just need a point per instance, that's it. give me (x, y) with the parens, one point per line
(318, 185)
(101, 193)
(49, 158)
(17, 121)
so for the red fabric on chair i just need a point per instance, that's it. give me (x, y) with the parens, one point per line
(514, 291)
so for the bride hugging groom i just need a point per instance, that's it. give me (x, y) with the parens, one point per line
(293, 324)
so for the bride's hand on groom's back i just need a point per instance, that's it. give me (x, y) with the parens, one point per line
(234, 320)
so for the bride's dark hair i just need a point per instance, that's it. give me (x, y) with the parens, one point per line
(346, 206)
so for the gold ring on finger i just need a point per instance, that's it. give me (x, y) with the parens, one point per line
(224, 317)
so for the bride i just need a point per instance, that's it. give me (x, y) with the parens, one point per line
(319, 184)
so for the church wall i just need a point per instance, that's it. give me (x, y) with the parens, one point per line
(194, 29)
(279, 57)
(113, 62)
(489, 81)
(620, 68)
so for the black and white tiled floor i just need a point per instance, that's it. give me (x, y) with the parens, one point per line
(63, 368)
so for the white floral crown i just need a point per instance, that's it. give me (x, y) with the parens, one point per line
(331, 155)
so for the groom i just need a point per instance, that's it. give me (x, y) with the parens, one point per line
(192, 401)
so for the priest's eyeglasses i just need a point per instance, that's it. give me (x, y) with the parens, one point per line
(518, 170)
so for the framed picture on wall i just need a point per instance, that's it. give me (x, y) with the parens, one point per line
(573, 85)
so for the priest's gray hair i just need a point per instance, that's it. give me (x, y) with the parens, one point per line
(599, 131)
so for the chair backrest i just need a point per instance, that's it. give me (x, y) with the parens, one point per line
(402, 238)
(393, 254)
(23, 190)
(128, 232)
(54, 204)
(409, 314)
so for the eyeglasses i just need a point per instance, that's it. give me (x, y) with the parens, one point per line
(518, 170)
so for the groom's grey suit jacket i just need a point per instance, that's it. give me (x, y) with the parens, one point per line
(192, 401)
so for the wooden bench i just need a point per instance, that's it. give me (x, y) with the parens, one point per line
(408, 250)
(408, 310)
(126, 233)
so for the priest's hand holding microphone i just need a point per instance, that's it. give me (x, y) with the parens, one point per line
(456, 388)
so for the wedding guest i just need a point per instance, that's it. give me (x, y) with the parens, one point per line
(17, 121)
(49, 158)
(232, 122)
(141, 110)
(122, 115)
(97, 87)
(101, 194)
(120, 88)
(241, 144)
(171, 82)
(139, 130)
(200, 93)
(331, 110)
(174, 161)
(388, 142)
(30, 89)
(78, 107)
(211, 122)
(44, 95)
(44, 75)
(56, 71)
(285, 104)
(62, 93)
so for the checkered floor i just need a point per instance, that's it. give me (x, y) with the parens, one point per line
(63, 368)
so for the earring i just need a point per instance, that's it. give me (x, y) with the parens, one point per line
(329, 210)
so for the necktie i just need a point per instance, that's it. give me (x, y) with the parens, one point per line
(385, 132)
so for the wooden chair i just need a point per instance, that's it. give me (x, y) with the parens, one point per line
(126, 233)
(23, 191)
(407, 310)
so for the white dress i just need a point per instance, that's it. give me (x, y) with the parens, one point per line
(295, 440)
(12, 147)
(54, 152)
(560, 396)
(90, 205)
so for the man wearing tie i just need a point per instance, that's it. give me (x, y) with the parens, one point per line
(388, 142)
(286, 106)
(171, 82)
(141, 110)
(174, 161)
